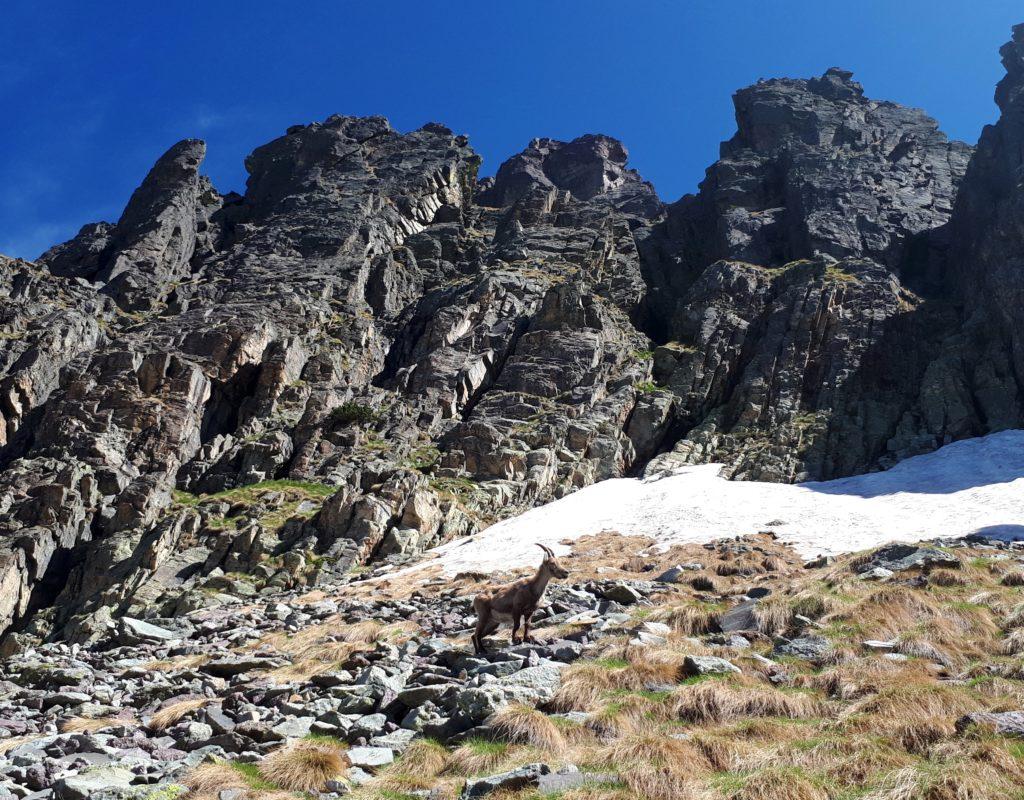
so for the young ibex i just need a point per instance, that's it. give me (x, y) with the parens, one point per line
(515, 601)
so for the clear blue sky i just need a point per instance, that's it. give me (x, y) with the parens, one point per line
(93, 92)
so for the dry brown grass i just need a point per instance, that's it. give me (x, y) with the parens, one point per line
(423, 757)
(624, 714)
(6, 745)
(918, 736)
(947, 577)
(1014, 618)
(583, 685)
(1000, 694)
(586, 684)
(620, 667)
(170, 714)
(655, 749)
(914, 716)
(178, 663)
(715, 701)
(324, 647)
(89, 724)
(778, 783)
(519, 724)
(644, 665)
(598, 792)
(418, 768)
(927, 625)
(208, 780)
(953, 779)
(476, 757)
(1015, 578)
(773, 615)
(1013, 644)
(304, 766)
(690, 619)
(703, 583)
(848, 761)
(855, 680)
(725, 751)
(399, 783)
(907, 700)
(721, 753)
(660, 783)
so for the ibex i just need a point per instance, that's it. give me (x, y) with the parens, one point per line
(514, 602)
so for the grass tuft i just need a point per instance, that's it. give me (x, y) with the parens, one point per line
(304, 766)
(169, 715)
(520, 724)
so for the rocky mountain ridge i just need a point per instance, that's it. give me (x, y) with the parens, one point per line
(371, 351)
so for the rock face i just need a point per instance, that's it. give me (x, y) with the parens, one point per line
(799, 293)
(371, 351)
(815, 168)
(988, 262)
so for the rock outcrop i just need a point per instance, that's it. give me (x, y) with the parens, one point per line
(371, 351)
(987, 265)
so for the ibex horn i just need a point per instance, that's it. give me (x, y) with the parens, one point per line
(546, 549)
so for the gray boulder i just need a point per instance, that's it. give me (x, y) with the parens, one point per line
(525, 777)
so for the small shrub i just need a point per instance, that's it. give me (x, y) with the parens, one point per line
(353, 413)
(648, 387)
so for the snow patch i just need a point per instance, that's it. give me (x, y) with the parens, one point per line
(969, 486)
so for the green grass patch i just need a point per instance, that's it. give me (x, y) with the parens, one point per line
(612, 663)
(295, 493)
(838, 274)
(323, 738)
(251, 773)
(423, 458)
(486, 747)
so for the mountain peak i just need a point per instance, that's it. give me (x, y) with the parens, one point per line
(588, 166)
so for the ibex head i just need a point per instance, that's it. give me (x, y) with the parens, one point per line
(551, 563)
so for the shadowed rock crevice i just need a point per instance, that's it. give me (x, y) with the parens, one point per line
(228, 403)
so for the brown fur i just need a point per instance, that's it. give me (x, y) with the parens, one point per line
(515, 602)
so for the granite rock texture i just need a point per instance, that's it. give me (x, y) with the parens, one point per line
(372, 351)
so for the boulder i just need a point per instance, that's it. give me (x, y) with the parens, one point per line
(811, 648)
(902, 557)
(94, 782)
(525, 777)
(708, 665)
(1005, 723)
(370, 758)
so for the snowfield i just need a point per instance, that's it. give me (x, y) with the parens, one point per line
(965, 487)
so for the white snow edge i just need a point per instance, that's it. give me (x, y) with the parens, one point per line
(962, 488)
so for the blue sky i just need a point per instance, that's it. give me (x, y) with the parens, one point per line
(94, 92)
